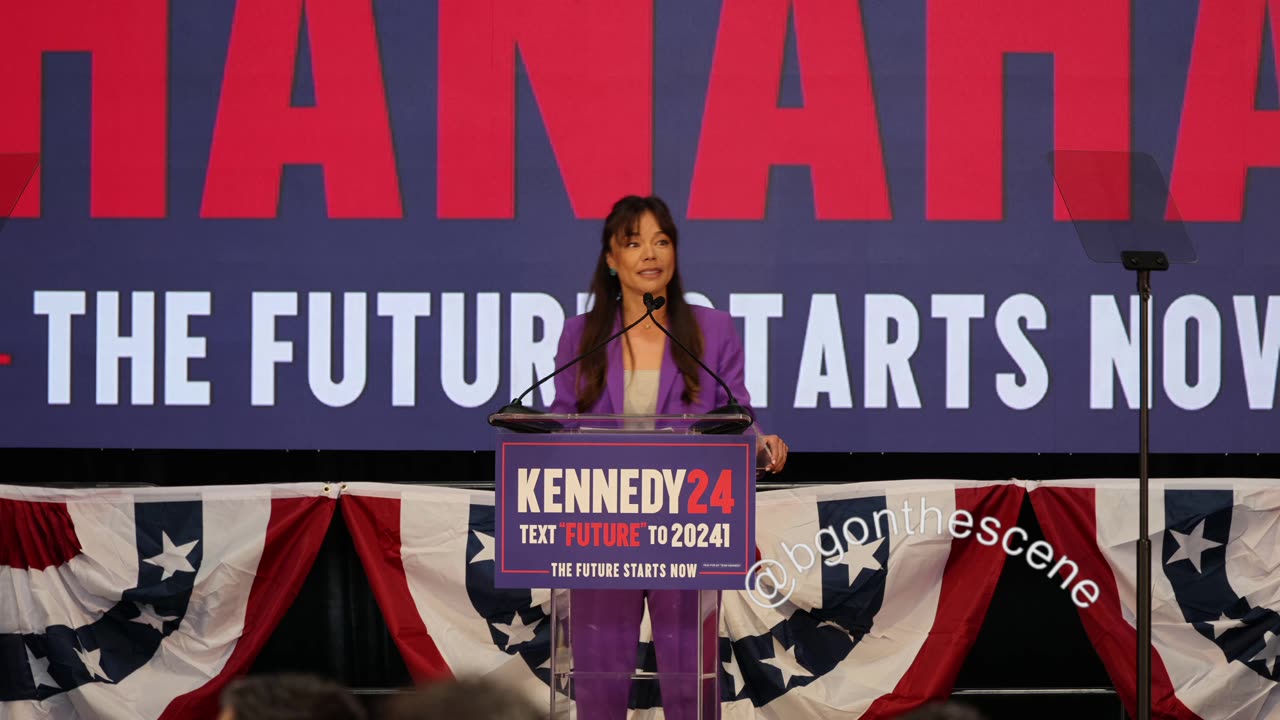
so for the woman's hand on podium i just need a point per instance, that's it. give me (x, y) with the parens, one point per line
(776, 450)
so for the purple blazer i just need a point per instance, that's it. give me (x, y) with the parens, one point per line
(721, 351)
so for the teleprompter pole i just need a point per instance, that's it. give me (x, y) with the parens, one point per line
(1144, 539)
(1143, 262)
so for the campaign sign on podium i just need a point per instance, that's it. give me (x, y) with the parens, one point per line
(624, 510)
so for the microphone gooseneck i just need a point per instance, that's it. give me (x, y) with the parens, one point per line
(731, 408)
(516, 407)
(651, 304)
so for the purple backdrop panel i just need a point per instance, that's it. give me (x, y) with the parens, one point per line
(364, 226)
(624, 511)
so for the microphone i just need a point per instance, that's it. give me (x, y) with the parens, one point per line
(515, 407)
(706, 427)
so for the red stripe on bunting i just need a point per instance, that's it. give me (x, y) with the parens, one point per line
(36, 535)
(375, 528)
(968, 583)
(1069, 519)
(294, 534)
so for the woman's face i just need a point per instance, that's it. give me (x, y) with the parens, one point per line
(644, 259)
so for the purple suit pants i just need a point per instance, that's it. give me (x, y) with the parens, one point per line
(605, 632)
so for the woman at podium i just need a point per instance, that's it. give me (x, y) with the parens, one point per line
(643, 374)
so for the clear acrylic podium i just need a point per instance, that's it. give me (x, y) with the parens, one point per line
(598, 666)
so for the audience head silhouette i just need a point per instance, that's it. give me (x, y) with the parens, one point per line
(467, 699)
(288, 697)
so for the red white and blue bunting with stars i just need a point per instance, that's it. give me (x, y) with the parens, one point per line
(144, 603)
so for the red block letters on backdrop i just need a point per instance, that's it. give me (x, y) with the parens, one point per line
(744, 133)
(1222, 134)
(590, 65)
(129, 44)
(258, 132)
(967, 42)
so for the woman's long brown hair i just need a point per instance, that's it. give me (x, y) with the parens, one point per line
(624, 218)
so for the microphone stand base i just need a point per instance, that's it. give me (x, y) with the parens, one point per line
(533, 426)
(723, 427)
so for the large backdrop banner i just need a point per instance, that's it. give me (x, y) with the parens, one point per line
(348, 224)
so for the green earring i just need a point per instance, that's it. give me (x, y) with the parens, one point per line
(613, 272)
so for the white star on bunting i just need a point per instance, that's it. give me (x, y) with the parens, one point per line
(734, 672)
(785, 661)
(862, 557)
(540, 598)
(1223, 624)
(148, 616)
(517, 632)
(92, 659)
(486, 547)
(173, 558)
(1270, 651)
(1191, 547)
(40, 671)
